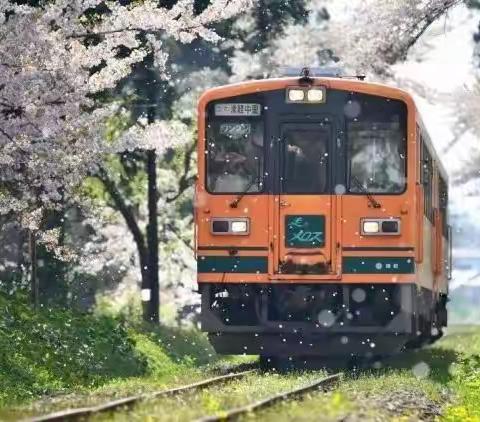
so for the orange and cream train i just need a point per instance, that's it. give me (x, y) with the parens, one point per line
(321, 219)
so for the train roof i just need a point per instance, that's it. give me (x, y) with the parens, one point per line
(340, 83)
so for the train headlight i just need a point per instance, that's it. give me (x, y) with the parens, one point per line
(380, 226)
(304, 95)
(239, 227)
(371, 227)
(296, 95)
(315, 95)
(230, 226)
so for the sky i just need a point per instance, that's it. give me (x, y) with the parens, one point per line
(443, 64)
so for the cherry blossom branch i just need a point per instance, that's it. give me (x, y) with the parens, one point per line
(430, 17)
(176, 233)
(6, 135)
(187, 29)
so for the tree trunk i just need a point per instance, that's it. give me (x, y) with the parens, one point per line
(132, 224)
(153, 305)
(33, 268)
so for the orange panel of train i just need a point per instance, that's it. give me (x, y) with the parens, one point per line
(321, 219)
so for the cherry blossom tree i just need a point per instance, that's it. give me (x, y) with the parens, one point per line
(55, 61)
(58, 63)
(358, 37)
(379, 33)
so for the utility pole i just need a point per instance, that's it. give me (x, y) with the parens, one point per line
(153, 305)
(32, 243)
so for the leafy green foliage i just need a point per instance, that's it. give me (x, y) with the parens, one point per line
(54, 350)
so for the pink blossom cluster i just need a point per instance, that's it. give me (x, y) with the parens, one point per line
(53, 60)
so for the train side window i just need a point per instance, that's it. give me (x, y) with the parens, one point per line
(427, 180)
(443, 193)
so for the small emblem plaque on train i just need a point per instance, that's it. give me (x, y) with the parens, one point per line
(305, 231)
(237, 109)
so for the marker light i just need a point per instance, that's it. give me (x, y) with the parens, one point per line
(239, 226)
(230, 226)
(315, 95)
(296, 95)
(220, 226)
(390, 226)
(380, 226)
(370, 227)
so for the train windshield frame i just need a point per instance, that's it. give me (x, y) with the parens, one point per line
(376, 131)
(368, 133)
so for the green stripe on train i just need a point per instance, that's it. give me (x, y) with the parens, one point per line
(378, 265)
(232, 264)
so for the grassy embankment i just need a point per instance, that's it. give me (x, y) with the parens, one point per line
(68, 359)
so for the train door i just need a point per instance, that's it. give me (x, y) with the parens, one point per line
(304, 207)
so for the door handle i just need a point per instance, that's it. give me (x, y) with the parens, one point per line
(284, 204)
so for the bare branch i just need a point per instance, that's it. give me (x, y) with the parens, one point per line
(176, 233)
(185, 181)
(127, 214)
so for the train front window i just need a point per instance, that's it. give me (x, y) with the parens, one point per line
(306, 159)
(235, 156)
(376, 133)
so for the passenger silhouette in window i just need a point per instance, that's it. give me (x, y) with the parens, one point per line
(235, 157)
(306, 161)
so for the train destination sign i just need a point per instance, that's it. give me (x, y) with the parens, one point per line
(238, 109)
(305, 231)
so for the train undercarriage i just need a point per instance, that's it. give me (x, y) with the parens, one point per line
(323, 320)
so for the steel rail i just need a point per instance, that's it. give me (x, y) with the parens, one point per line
(270, 401)
(85, 412)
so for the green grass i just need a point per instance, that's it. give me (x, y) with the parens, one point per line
(441, 383)
(465, 375)
(53, 358)
(53, 352)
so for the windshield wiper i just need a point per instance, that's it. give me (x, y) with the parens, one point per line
(234, 204)
(373, 202)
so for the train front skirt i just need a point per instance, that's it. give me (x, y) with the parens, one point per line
(330, 320)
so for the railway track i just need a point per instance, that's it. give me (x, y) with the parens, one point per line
(232, 414)
(86, 412)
